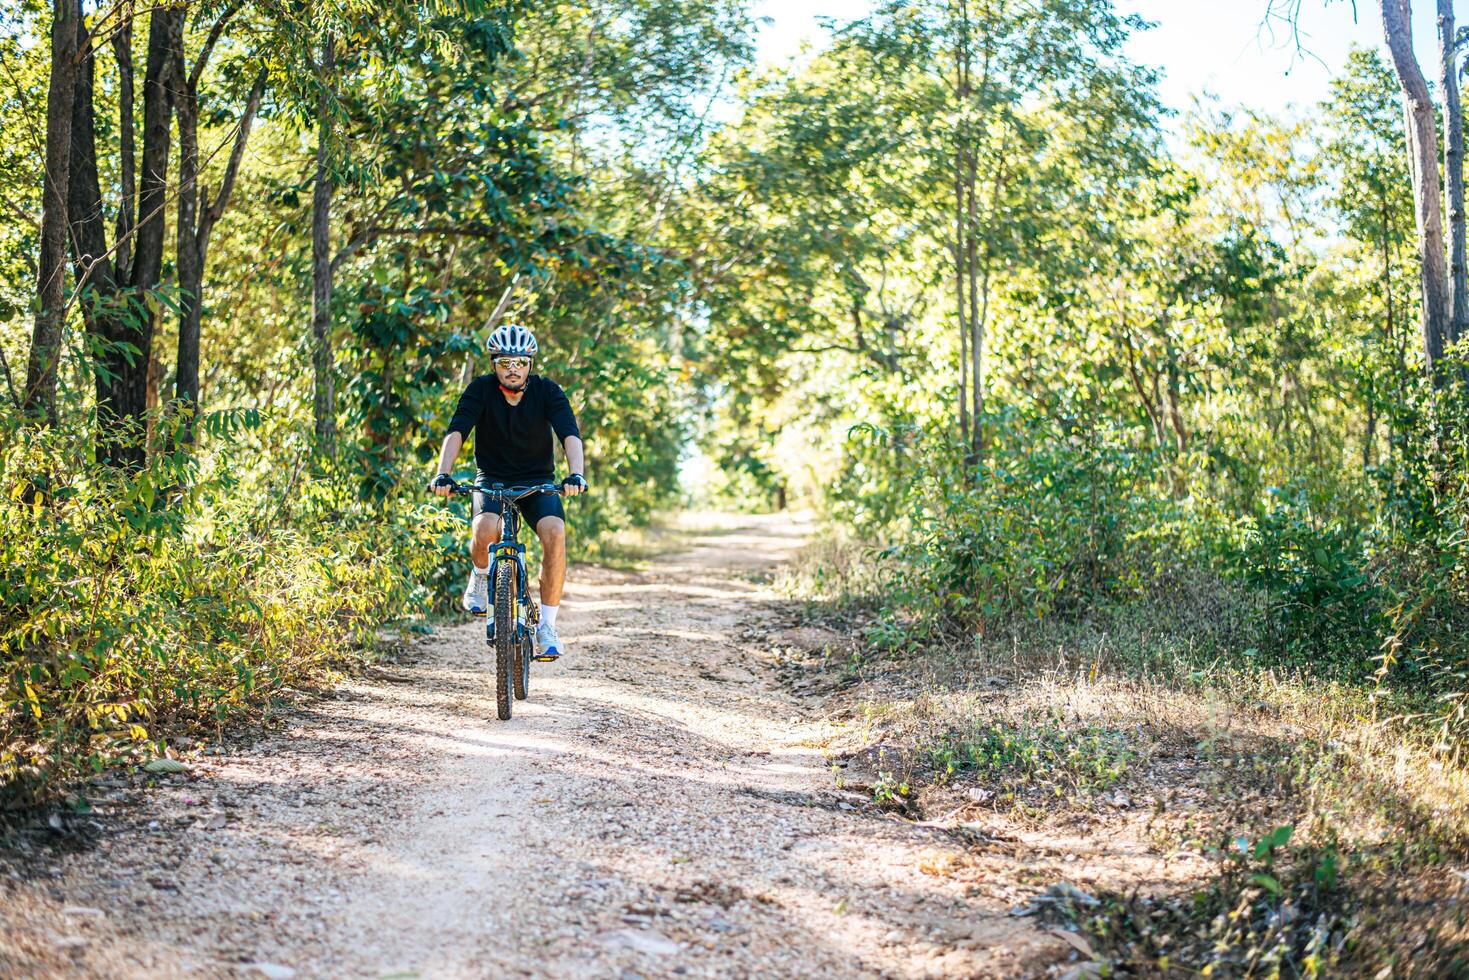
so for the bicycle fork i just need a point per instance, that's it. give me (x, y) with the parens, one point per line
(511, 552)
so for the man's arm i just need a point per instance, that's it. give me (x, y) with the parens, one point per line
(563, 421)
(466, 414)
(448, 453)
(574, 462)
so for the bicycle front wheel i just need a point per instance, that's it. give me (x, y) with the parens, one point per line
(506, 639)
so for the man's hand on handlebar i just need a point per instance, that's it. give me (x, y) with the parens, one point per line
(445, 486)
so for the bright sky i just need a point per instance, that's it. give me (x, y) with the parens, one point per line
(1219, 46)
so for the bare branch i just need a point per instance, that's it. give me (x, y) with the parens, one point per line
(99, 38)
(9, 379)
(214, 209)
(1288, 12)
(209, 42)
(504, 304)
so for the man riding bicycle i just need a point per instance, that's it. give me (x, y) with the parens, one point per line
(513, 414)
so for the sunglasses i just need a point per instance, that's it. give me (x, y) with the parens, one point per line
(513, 363)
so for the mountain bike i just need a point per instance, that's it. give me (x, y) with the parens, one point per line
(512, 631)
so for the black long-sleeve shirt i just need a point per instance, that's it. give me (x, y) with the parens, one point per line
(512, 443)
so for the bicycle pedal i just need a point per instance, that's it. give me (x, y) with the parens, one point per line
(542, 658)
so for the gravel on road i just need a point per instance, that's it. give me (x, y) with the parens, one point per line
(660, 807)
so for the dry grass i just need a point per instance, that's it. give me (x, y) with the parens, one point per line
(1153, 729)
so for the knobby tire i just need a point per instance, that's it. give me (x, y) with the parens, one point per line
(506, 639)
(523, 650)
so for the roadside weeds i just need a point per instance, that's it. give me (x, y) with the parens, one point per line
(1167, 821)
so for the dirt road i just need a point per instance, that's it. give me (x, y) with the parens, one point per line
(658, 808)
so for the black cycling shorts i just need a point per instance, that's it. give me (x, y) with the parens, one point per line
(532, 508)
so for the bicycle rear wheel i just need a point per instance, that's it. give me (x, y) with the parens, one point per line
(522, 667)
(506, 640)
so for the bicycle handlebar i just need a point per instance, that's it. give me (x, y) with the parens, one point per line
(511, 493)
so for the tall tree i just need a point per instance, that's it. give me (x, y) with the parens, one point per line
(1397, 18)
(937, 154)
(324, 401)
(1453, 166)
(198, 213)
(118, 290)
(965, 165)
(1372, 196)
(989, 66)
(40, 388)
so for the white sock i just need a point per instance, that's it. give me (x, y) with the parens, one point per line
(483, 571)
(548, 614)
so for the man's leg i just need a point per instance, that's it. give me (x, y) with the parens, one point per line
(484, 531)
(552, 532)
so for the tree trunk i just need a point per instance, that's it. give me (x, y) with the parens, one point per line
(1453, 165)
(979, 305)
(151, 394)
(323, 406)
(197, 216)
(122, 46)
(1175, 411)
(981, 262)
(189, 262)
(961, 92)
(1389, 318)
(1423, 164)
(165, 30)
(960, 305)
(976, 285)
(1369, 437)
(99, 276)
(1135, 376)
(45, 354)
(120, 309)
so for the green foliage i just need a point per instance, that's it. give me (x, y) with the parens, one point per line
(477, 147)
(890, 791)
(1195, 367)
(186, 595)
(1324, 602)
(1265, 912)
(1280, 905)
(1026, 763)
(1049, 522)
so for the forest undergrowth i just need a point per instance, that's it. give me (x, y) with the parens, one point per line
(168, 603)
(1310, 822)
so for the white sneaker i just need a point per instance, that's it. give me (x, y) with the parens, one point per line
(477, 593)
(548, 644)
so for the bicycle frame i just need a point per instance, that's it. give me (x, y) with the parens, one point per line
(508, 548)
(515, 644)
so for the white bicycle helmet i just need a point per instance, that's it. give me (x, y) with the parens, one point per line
(511, 339)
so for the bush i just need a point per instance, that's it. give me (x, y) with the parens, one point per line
(1323, 601)
(1076, 521)
(134, 606)
(1354, 598)
(1048, 523)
